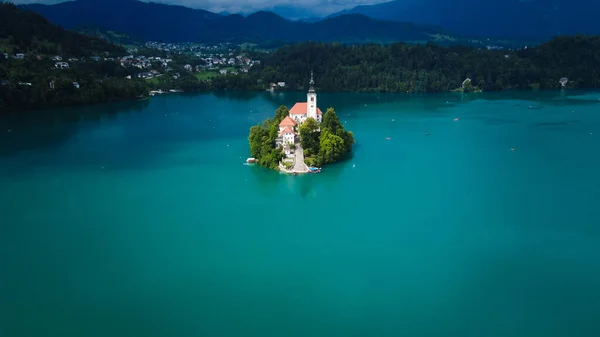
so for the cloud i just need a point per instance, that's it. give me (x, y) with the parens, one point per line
(322, 7)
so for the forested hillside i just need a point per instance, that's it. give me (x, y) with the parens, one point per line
(27, 32)
(432, 68)
(35, 78)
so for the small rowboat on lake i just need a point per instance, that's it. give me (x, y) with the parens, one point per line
(251, 160)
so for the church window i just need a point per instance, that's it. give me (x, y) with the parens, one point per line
(312, 99)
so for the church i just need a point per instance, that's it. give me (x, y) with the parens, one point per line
(298, 114)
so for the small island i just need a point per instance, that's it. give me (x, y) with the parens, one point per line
(296, 140)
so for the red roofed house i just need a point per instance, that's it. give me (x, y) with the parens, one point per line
(288, 135)
(303, 110)
(287, 122)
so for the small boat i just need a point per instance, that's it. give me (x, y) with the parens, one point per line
(314, 169)
(251, 160)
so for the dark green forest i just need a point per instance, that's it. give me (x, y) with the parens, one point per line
(37, 84)
(34, 82)
(401, 67)
(27, 32)
(420, 68)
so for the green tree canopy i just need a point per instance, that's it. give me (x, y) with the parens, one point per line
(256, 137)
(404, 67)
(262, 141)
(328, 142)
(280, 114)
(331, 121)
(332, 147)
(309, 136)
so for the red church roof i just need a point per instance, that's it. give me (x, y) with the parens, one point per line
(301, 108)
(286, 130)
(287, 121)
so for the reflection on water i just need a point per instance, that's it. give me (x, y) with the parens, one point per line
(48, 128)
(305, 185)
(237, 95)
(197, 117)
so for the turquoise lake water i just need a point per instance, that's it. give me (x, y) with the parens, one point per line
(140, 219)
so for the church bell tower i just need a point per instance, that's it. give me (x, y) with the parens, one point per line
(311, 99)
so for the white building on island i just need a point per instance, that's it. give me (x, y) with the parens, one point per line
(298, 114)
(303, 110)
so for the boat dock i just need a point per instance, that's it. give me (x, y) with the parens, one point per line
(299, 165)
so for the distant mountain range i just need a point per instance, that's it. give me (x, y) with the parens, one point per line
(169, 23)
(503, 18)
(26, 32)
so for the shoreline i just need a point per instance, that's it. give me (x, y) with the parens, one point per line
(148, 97)
(282, 169)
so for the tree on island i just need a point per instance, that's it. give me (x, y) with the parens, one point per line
(262, 140)
(323, 144)
(309, 137)
(326, 143)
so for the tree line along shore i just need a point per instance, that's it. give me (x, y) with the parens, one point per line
(37, 81)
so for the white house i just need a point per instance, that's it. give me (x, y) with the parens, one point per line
(303, 110)
(61, 65)
(288, 136)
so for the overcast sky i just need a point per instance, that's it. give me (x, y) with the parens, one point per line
(316, 6)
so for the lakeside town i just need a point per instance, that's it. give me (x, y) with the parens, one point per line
(153, 60)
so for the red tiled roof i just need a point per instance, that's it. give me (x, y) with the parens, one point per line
(286, 130)
(287, 121)
(300, 108)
